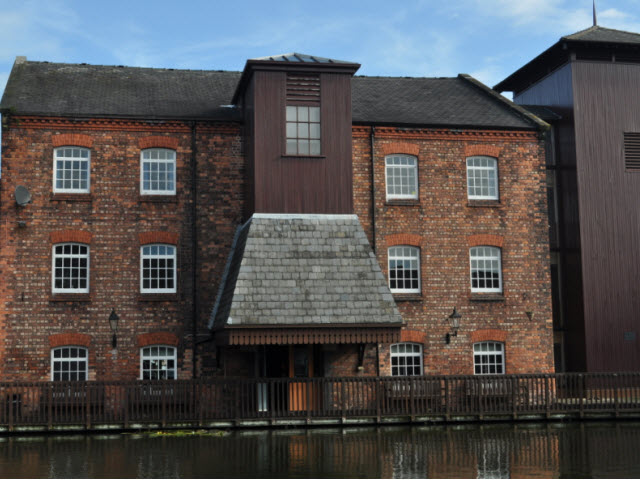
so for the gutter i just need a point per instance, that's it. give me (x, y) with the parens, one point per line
(373, 190)
(194, 247)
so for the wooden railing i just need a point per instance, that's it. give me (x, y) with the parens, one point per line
(202, 401)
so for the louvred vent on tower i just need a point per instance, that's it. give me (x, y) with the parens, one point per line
(303, 88)
(632, 151)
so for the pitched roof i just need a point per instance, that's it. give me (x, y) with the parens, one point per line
(42, 88)
(60, 89)
(298, 58)
(624, 44)
(430, 101)
(304, 270)
(606, 35)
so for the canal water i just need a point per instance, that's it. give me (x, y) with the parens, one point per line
(600, 450)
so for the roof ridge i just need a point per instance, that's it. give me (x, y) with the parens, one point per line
(165, 69)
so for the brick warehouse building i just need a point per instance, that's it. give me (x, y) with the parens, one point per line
(213, 213)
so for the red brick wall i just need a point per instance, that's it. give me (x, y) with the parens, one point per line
(114, 219)
(444, 224)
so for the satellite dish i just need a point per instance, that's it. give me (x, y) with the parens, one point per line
(22, 195)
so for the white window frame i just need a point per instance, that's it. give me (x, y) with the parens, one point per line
(77, 358)
(486, 359)
(303, 124)
(395, 171)
(479, 173)
(416, 352)
(398, 256)
(62, 256)
(80, 159)
(493, 255)
(146, 354)
(164, 161)
(158, 256)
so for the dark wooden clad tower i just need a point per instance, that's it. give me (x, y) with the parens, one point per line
(297, 111)
(589, 82)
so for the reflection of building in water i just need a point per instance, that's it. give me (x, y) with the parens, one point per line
(493, 458)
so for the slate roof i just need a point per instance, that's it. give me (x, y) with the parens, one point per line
(299, 58)
(605, 35)
(303, 270)
(41, 88)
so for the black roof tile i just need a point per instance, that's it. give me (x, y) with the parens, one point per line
(42, 88)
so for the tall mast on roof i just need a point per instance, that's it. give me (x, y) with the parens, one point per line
(595, 18)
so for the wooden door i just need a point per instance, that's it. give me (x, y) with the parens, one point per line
(302, 395)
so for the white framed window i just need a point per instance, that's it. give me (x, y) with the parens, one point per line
(303, 130)
(482, 178)
(401, 177)
(158, 171)
(158, 362)
(406, 359)
(69, 363)
(486, 269)
(70, 269)
(404, 269)
(158, 268)
(71, 170)
(488, 358)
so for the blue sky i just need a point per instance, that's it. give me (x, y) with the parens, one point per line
(486, 38)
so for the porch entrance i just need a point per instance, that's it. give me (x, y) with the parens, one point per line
(295, 362)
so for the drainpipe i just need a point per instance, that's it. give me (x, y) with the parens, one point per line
(373, 191)
(194, 248)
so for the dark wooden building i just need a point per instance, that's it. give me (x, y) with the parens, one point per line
(587, 86)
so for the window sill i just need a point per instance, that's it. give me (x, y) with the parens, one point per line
(157, 297)
(402, 203)
(407, 297)
(71, 197)
(484, 203)
(486, 297)
(157, 199)
(70, 297)
(303, 156)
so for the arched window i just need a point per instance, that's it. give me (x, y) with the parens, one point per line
(158, 268)
(401, 177)
(404, 269)
(482, 178)
(406, 359)
(486, 269)
(158, 171)
(158, 362)
(69, 363)
(488, 358)
(71, 167)
(70, 272)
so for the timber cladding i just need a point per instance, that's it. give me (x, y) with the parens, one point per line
(114, 220)
(443, 223)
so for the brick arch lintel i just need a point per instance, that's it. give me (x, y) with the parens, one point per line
(77, 236)
(64, 339)
(72, 139)
(414, 336)
(145, 238)
(158, 142)
(489, 334)
(158, 338)
(485, 239)
(399, 147)
(481, 149)
(403, 239)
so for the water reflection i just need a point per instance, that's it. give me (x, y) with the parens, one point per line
(493, 451)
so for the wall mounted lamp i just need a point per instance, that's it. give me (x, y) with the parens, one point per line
(113, 323)
(454, 322)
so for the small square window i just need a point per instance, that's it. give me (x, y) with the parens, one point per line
(158, 172)
(303, 130)
(71, 170)
(482, 178)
